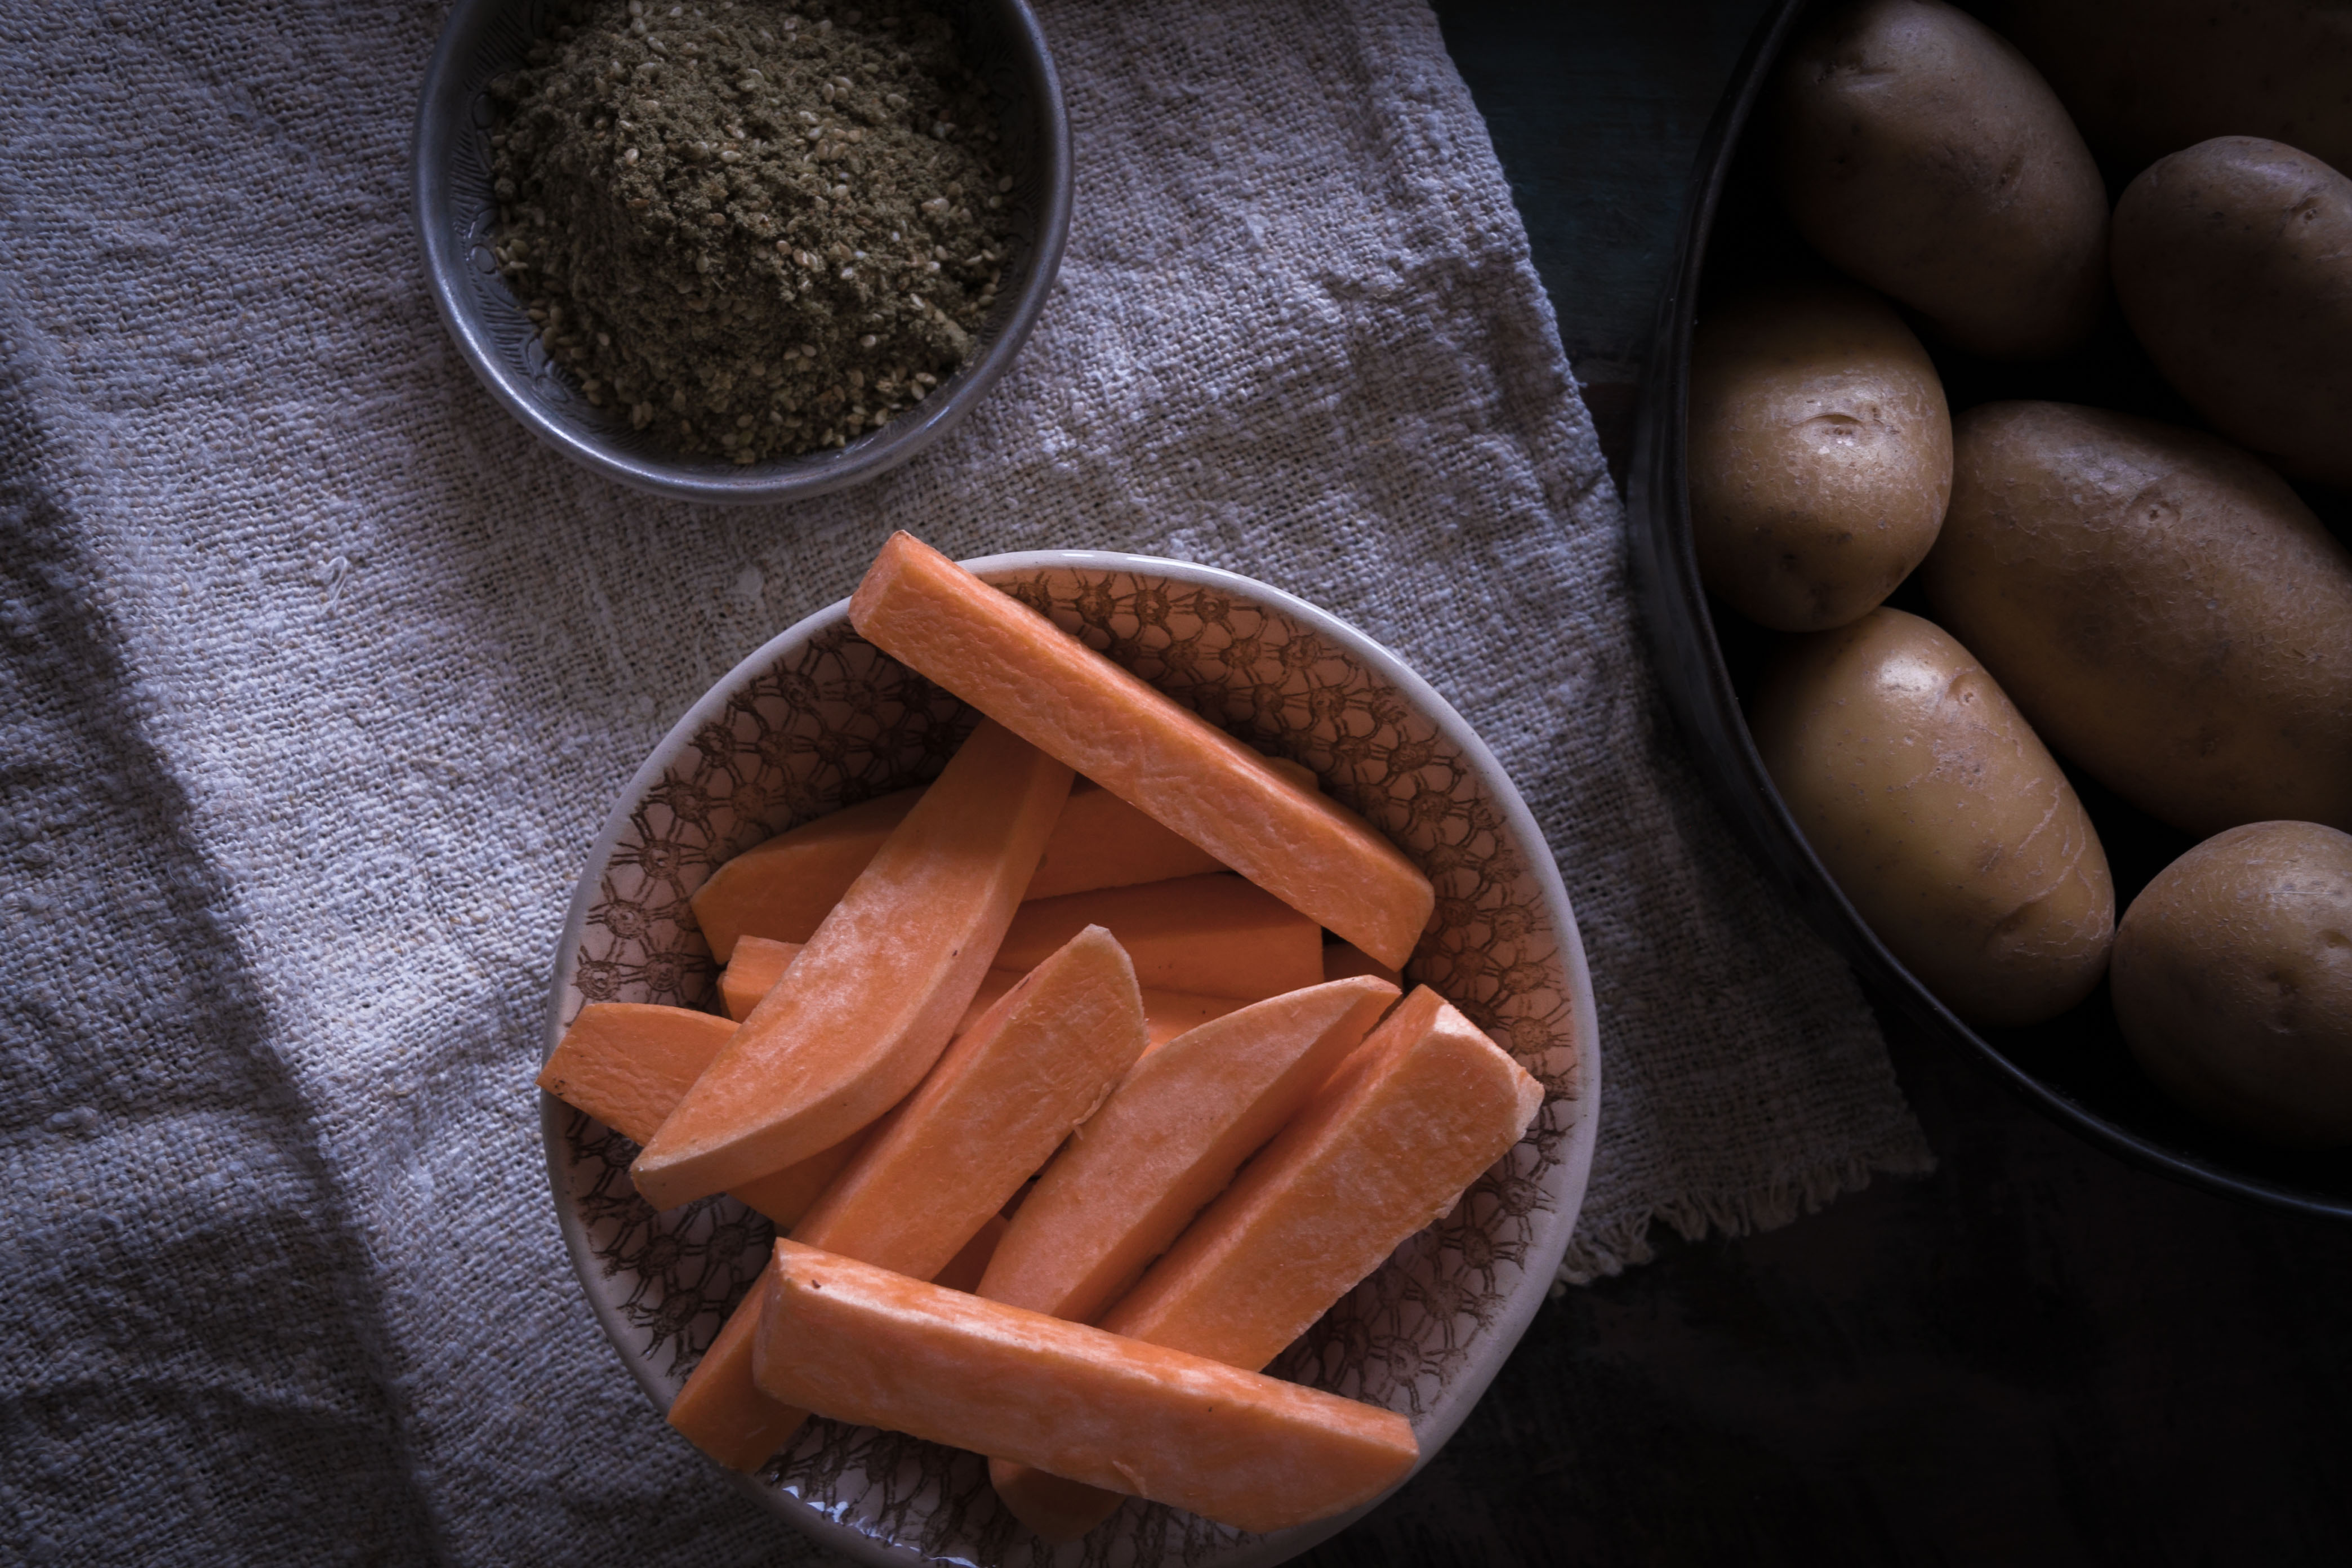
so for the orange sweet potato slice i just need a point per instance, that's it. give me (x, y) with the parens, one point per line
(996, 1108)
(1171, 1014)
(1341, 959)
(1103, 842)
(721, 1412)
(964, 1269)
(1215, 934)
(628, 1064)
(1389, 1144)
(863, 1344)
(868, 1005)
(786, 1195)
(759, 964)
(783, 888)
(934, 1173)
(1169, 1138)
(1044, 684)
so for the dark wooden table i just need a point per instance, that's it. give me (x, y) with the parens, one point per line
(2038, 1354)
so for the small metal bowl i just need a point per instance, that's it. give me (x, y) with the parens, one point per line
(454, 213)
(2075, 1068)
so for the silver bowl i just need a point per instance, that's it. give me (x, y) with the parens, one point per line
(454, 212)
(820, 718)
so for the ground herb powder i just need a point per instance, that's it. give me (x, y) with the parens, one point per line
(759, 228)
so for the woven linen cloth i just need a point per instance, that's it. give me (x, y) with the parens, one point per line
(321, 676)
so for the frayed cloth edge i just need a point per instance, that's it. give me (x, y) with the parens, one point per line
(1625, 1242)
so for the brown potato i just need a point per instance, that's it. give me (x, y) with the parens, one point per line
(1821, 454)
(2161, 606)
(2234, 263)
(2144, 78)
(2234, 981)
(1922, 154)
(1948, 825)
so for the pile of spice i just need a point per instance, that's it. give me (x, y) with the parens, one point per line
(760, 227)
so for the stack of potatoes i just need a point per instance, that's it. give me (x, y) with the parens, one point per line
(2155, 603)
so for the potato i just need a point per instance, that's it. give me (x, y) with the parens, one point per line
(1821, 454)
(2234, 263)
(1945, 822)
(2163, 607)
(2234, 981)
(2144, 78)
(1922, 154)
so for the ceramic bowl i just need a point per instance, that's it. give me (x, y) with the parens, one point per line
(819, 718)
(455, 214)
(2075, 1068)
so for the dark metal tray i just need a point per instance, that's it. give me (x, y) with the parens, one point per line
(2075, 1068)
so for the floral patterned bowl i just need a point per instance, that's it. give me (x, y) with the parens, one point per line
(820, 719)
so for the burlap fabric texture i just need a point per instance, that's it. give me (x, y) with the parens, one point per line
(321, 676)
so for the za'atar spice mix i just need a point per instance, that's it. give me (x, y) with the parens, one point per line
(759, 228)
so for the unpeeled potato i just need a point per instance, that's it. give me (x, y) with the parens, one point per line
(1821, 454)
(2164, 609)
(2234, 981)
(2233, 264)
(1919, 153)
(1941, 816)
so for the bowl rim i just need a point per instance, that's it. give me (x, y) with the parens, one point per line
(1508, 1325)
(1698, 688)
(441, 104)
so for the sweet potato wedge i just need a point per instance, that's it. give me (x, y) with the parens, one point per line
(868, 1004)
(993, 1112)
(1341, 959)
(1103, 842)
(721, 1412)
(964, 1269)
(1171, 1014)
(1215, 935)
(1044, 684)
(783, 888)
(1167, 1140)
(628, 1064)
(932, 1174)
(759, 964)
(1387, 1144)
(863, 1344)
